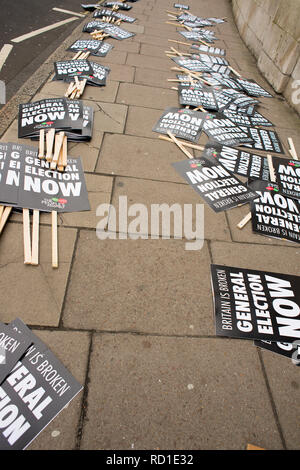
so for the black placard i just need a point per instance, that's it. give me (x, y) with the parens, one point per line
(117, 33)
(198, 36)
(273, 214)
(12, 348)
(120, 5)
(50, 113)
(181, 6)
(105, 12)
(238, 161)
(90, 45)
(258, 305)
(287, 176)
(253, 89)
(216, 185)
(191, 64)
(224, 131)
(264, 140)
(104, 49)
(290, 350)
(37, 389)
(197, 95)
(183, 123)
(94, 25)
(210, 59)
(209, 49)
(68, 69)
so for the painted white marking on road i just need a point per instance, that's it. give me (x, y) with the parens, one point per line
(4, 53)
(69, 12)
(43, 30)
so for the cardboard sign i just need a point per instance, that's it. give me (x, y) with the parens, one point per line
(273, 214)
(104, 49)
(210, 59)
(216, 185)
(197, 36)
(239, 162)
(224, 131)
(252, 88)
(105, 12)
(216, 20)
(28, 182)
(120, 5)
(209, 49)
(89, 6)
(258, 119)
(85, 45)
(240, 100)
(181, 6)
(68, 69)
(287, 176)
(117, 33)
(264, 140)
(191, 64)
(198, 23)
(290, 350)
(12, 348)
(37, 389)
(197, 95)
(95, 25)
(255, 304)
(50, 113)
(183, 123)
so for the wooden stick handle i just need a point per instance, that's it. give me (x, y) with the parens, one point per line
(179, 144)
(185, 144)
(54, 239)
(35, 238)
(42, 144)
(292, 148)
(6, 212)
(271, 169)
(50, 141)
(244, 221)
(26, 236)
(58, 144)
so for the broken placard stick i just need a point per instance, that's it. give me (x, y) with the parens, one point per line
(179, 144)
(35, 238)
(244, 221)
(6, 212)
(50, 141)
(58, 144)
(54, 239)
(42, 144)
(185, 144)
(292, 149)
(26, 236)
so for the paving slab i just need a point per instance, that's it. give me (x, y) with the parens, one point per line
(61, 433)
(149, 97)
(207, 225)
(107, 291)
(40, 289)
(143, 158)
(172, 393)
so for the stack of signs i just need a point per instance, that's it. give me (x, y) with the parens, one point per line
(28, 182)
(264, 140)
(287, 176)
(112, 30)
(238, 99)
(95, 47)
(210, 59)
(70, 116)
(258, 305)
(274, 214)
(95, 73)
(35, 389)
(209, 49)
(94, 26)
(183, 123)
(197, 95)
(204, 35)
(224, 131)
(243, 119)
(120, 16)
(216, 185)
(193, 65)
(239, 162)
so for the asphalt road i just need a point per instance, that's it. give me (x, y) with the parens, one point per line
(20, 17)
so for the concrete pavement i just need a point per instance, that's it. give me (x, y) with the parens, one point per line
(133, 319)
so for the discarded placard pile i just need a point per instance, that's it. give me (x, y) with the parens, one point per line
(217, 100)
(34, 386)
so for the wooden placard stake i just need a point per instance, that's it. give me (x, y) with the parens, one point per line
(50, 141)
(54, 239)
(179, 144)
(292, 149)
(42, 144)
(185, 144)
(6, 213)
(35, 238)
(62, 161)
(58, 144)
(26, 236)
